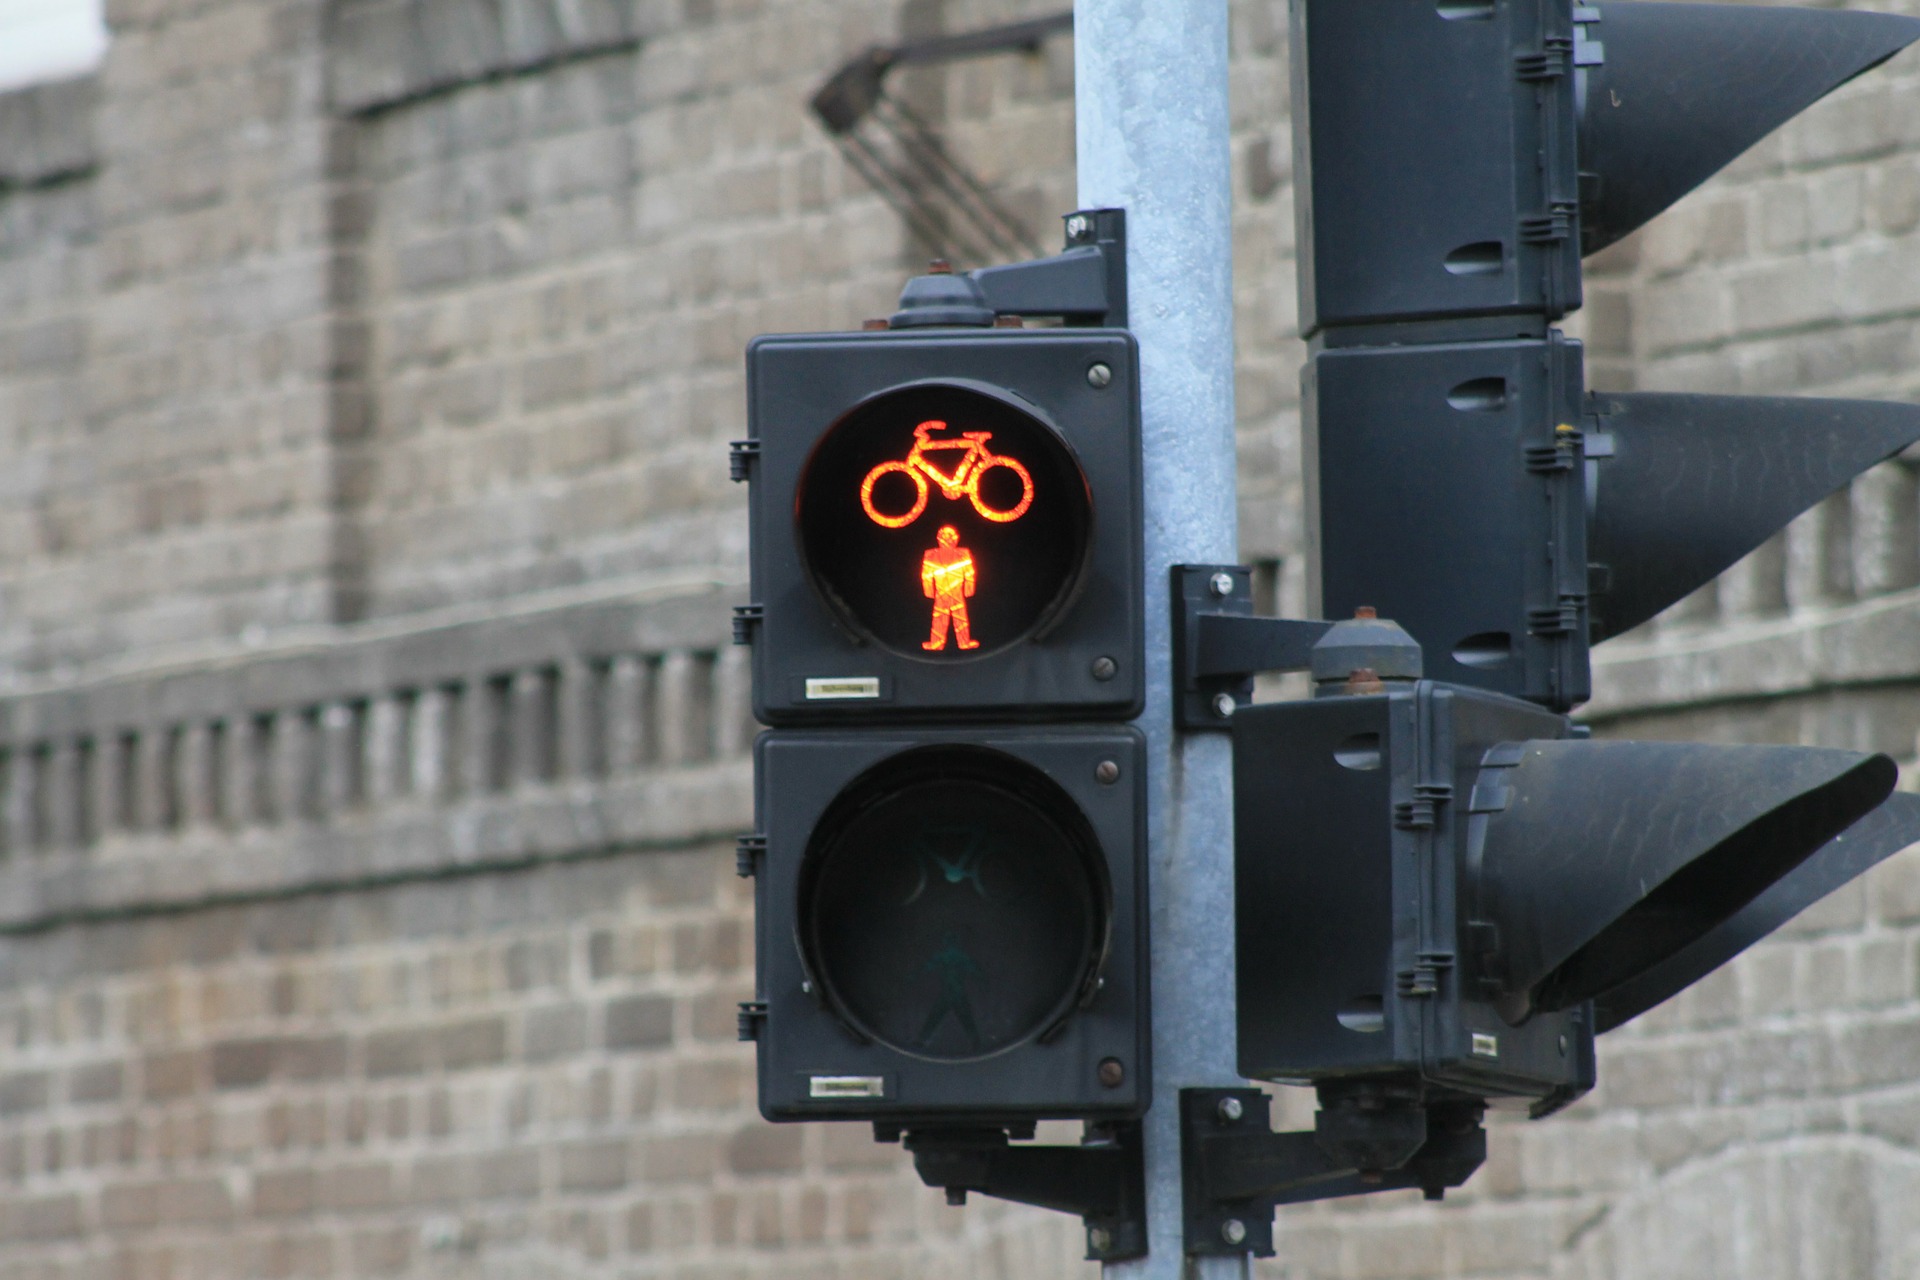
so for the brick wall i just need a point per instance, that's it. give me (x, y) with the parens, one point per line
(365, 373)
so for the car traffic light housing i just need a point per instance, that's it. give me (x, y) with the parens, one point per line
(1442, 895)
(1444, 889)
(1455, 160)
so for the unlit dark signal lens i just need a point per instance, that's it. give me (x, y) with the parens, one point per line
(953, 904)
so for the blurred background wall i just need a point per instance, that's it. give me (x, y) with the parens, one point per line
(370, 745)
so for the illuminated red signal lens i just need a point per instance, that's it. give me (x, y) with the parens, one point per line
(941, 520)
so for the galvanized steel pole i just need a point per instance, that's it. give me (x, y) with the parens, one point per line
(1151, 119)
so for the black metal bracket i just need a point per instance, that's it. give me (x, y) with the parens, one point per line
(1103, 1180)
(1235, 1170)
(1219, 645)
(1085, 284)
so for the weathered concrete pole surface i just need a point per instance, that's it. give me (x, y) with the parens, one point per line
(1151, 119)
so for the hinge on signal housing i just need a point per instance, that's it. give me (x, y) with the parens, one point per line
(1551, 227)
(1423, 811)
(752, 1014)
(1552, 61)
(1566, 450)
(747, 852)
(741, 455)
(1424, 978)
(1558, 620)
(745, 618)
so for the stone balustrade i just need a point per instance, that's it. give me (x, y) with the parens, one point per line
(390, 751)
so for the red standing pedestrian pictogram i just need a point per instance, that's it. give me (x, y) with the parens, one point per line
(947, 578)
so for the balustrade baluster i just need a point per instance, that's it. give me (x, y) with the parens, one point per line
(384, 749)
(61, 793)
(628, 714)
(192, 783)
(480, 723)
(1886, 539)
(577, 701)
(428, 775)
(733, 725)
(339, 758)
(294, 765)
(242, 770)
(685, 707)
(153, 807)
(1820, 556)
(1756, 587)
(20, 784)
(530, 727)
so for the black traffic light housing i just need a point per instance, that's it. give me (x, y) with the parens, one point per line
(1353, 894)
(1047, 505)
(968, 916)
(947, 630)
(1455, 161)
(1442, 895)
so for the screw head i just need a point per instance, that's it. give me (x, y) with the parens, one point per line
(1563, 1046)
(1221, 584)
(1078, 226)
(1223, 705)
(1106, 773)
(1231, 1109)
(1105, 668)
(1099, 375)
(1233, 1231)
(1100, 1239)
(1113, 1073)
(806, 987)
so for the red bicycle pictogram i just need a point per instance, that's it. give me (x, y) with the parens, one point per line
(962, 481)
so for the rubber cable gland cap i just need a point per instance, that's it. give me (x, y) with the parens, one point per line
(940, 300)
(1366, 643)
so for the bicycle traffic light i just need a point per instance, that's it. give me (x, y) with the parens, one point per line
(947, 636)
(944, 524)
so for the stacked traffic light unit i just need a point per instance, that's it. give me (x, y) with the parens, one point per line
(1444, 890)
(947, 640)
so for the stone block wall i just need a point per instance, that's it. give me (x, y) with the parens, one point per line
(370, 744)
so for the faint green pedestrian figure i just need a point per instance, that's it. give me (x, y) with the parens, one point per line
(954, 967)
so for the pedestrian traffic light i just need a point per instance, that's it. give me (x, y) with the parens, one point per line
(947, 634)
(945, 518)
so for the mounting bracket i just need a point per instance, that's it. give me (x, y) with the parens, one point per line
(1085, 284)
(1103, 1180)
(1219, 646)
(1235, 1170)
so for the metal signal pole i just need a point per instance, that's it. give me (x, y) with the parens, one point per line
(1151, 121)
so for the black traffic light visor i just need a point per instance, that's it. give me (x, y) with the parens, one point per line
(1683, 89)
(1867, 843)
(1610, 858)
(1691, 483)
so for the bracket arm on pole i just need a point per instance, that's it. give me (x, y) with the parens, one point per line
(1219, 645)
(1102, 1180)
(1236, 1170)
